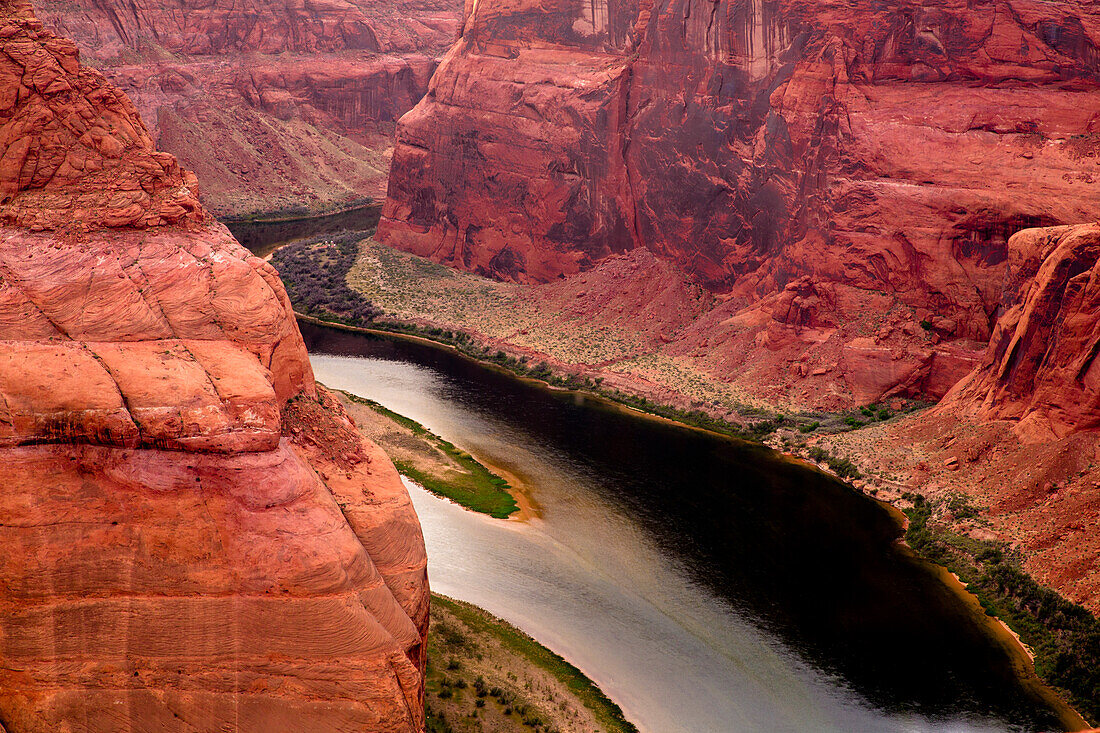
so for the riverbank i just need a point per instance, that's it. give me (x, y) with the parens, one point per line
(506, 325)
(261, 234)
(807, 435)
(486, 675)
(297, 212)
(962, 511)
(434, 463)
(829, 460)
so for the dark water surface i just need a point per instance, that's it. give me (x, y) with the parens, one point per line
(706, 585)
(262, 237)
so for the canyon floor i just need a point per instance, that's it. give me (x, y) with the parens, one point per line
(1032, 496)
(586, 323)
(484, 675)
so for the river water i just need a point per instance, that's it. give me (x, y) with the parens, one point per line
(264, 236)
(705, 584)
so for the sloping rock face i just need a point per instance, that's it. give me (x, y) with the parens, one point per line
(1040, 368)
(74, 149)
(194, 537)
(273, 104)
(884, 150)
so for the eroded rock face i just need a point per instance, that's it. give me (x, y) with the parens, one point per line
(72, 148)
(194, 535)
(273, 105)
(1040, 368)
(878, 149)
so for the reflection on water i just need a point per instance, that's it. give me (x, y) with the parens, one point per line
(705, 585)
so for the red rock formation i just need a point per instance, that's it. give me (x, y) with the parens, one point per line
(193, 536)
(876, 149)
(74, 149)
(272, 104)
(635, 291)
(1040, 368)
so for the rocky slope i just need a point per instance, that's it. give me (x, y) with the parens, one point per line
(845, 176)
(1019, 433)
(274, 105)
(1040, 369)
(194, 536)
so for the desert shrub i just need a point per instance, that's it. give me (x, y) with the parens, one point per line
(315, 275)
(1064, 635)
(960, 507)
(842, 467)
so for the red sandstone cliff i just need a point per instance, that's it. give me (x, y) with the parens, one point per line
(273, 105)
(1040, 369)
(193, 536)
(846, 176)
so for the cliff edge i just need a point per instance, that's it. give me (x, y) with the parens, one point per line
(845, 176)
(194, 535)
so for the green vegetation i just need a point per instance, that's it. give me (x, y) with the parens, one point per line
(476, 487)
(871, 413)
(298, 211)
(482, 669)
(842, 467)
(1064, 636)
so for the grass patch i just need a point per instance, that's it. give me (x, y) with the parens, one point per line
(475, 487)
(1064, 636)
(456, 653)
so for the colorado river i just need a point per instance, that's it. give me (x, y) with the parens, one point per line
(706, 585)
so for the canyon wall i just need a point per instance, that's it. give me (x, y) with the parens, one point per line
(1040, 369)
(284, 105)
(195, 536)
(845, 176)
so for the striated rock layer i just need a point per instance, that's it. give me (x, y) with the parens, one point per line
(274, 105)
(1040, 369)
(194, 537)
(866, 162)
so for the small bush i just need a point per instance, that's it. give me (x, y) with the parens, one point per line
(960, 507)
(315, 275)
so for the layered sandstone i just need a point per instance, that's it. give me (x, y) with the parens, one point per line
(273, 105)
(1040, 369)
(194, 536)
(872, 159)
(74, 149)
